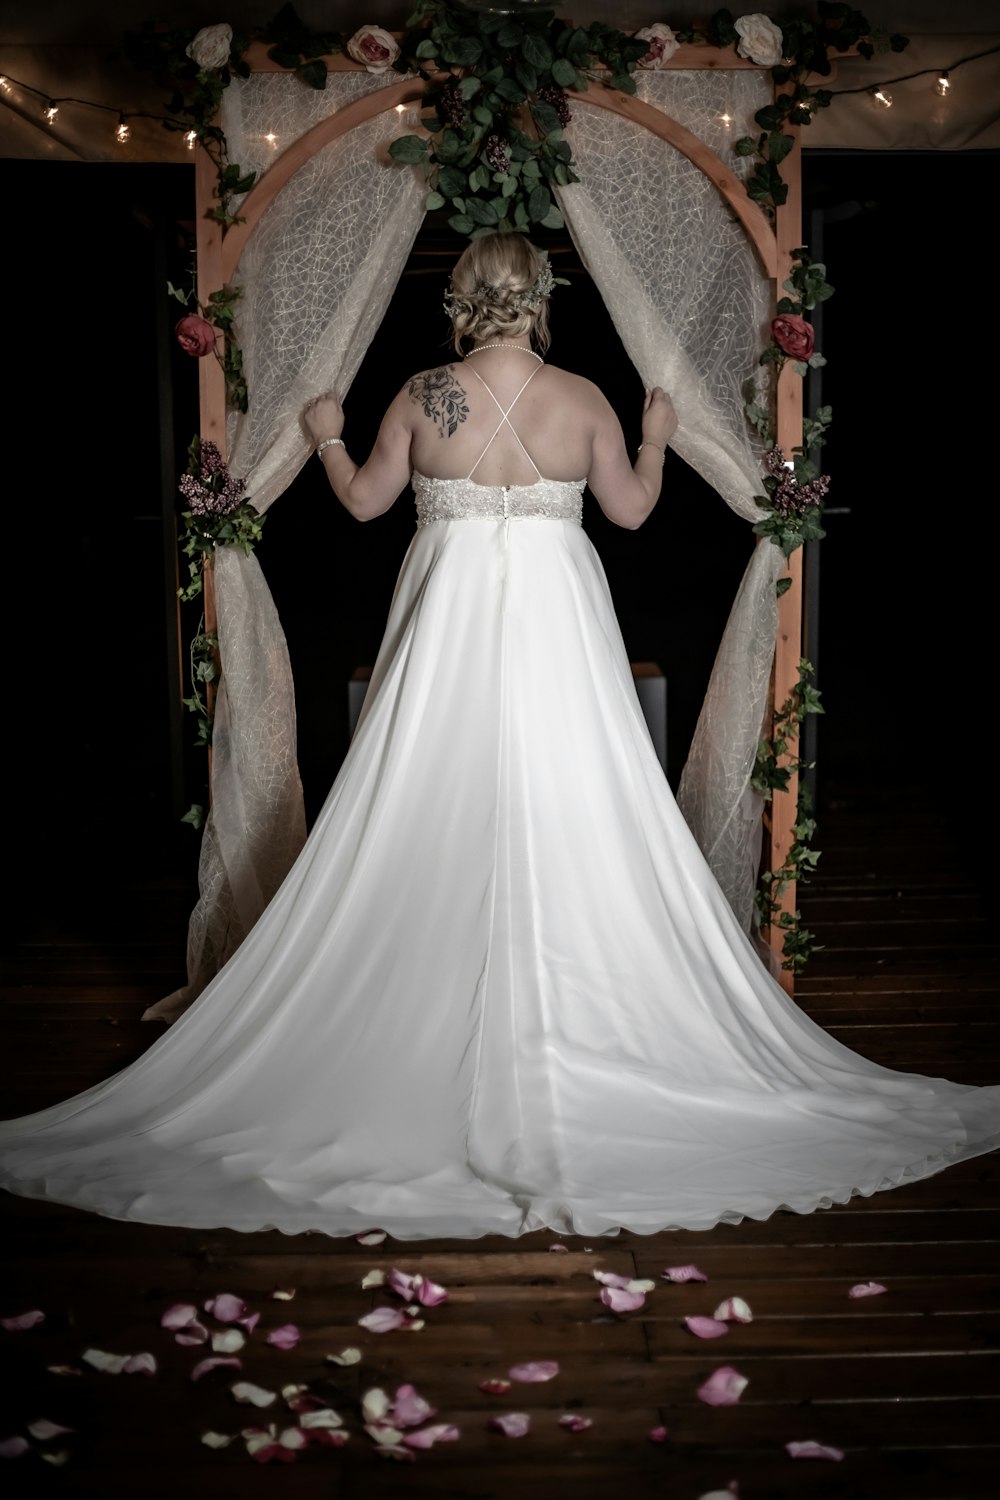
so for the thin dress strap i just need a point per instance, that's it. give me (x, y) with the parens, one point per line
(504, 416)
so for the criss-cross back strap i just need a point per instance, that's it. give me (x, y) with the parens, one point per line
(504, 417)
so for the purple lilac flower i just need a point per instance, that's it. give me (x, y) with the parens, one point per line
(496, 152)
(788, 497)
(552, 94)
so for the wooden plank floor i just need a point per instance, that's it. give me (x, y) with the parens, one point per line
(907, 1384)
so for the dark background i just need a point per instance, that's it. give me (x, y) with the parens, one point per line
(96, 775)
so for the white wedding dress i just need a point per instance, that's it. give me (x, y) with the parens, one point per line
(500, 989)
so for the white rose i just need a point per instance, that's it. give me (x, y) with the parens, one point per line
(376, 48)
(662, 45)
(210, 48)
(760, 40)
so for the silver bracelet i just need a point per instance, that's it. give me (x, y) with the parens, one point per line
(328, 442)
(651, 445)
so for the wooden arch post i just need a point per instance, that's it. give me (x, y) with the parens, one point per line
(219, 251)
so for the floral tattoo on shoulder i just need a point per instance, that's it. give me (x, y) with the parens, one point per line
(440, 394)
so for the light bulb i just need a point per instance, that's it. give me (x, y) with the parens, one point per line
(123, 132)
(190, 139)
(882, 98)
(50, 111)
(4, 83)
(943, 85)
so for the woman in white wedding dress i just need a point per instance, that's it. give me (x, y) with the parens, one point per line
(500, 988)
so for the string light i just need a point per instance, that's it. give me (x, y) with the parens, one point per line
(50, 111)
(727, 120)
(123, 132)
(400, 109)
(943, 84)
(271, 139)
(190, 138)
(4, 83)
(882, 97)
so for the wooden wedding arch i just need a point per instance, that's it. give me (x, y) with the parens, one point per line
(219, 249)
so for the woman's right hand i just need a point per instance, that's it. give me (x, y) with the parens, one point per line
(659, 420)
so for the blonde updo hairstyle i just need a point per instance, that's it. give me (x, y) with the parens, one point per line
(488, 289)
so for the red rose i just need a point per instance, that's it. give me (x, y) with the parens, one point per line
(195, 335)
(793, 335)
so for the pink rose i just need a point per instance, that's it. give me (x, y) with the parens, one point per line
(195, 335)
(793, 335)
(374, 47)
(662, 45)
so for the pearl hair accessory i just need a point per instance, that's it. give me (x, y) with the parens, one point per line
(532, 298)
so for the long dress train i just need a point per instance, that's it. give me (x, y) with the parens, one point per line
(500, 988)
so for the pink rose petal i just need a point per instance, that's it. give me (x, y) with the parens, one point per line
(495, 1387)
(371, 1237)
(194, 1333)
(813, 1450)
(512, 1424)
(42, 1429)
(397, 1451)
(564, 1249)
(402, 1284)
(426, 1437)
(140, 1364)
(658, 1434)
(328, 1437)
(734, 1310)
(226, 1308)
(430, 1294)
(621, 1301)
(249, 1323)
(181, 1315)
(683, 1273)
(723, 1387)
(534, 1370)
(574, 1423)
(13, 1447)
(384, 1320)
(409, 1408)
(283, 1294)
(867, 1289)
(205, 1365)
(22, 1321)
(625, 1283)
(707, 1328)
(285, 1337)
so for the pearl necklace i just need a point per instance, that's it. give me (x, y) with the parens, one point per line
(501, 345)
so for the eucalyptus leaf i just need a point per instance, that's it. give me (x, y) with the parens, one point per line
(434, 200)
(539, 203)
(408, 148)
(461, 223)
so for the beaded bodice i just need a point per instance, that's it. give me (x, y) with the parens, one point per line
(464, 500)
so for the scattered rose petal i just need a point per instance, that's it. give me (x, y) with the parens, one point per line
(371, 1237)
(292, 1437)
(430, 1294)
(251, 1322)
(563, 1248)
(867, 1289)
(218, 1439)
(345, 1357)
(373, 1278)
(226, 1308)
(63, 1370)
(55, 1459)
(574, 1423)
(285, 1337)
(140, 1364)
(732, 1489)
(194, 1333)
(707, 1328)
(403, 1284)
(723, 1387)
(513, 1424)
(246, 1391)
(621, 1301)
(203, 1367)
(283, 1294)
(328, 1437)
(325, 1417)
(813, 1450)
(385, 1432)
(734, 1310)
(534, 1370)
(99, 1359)
(495, 1387)
(409, 1408)
(658, 1434)
(13, 1447)
(403, 1454)
(22, 1321)
(375, 1404)
(625, 1283)
(443, 1432)
(683, 1273)
(384, 1320)
(228, 1341)
(181, 1315)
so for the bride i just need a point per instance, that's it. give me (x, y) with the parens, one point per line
(500, 989)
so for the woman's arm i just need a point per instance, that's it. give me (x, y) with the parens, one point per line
(625, 492)
(369, 490)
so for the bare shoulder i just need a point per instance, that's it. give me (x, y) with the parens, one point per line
(437, 394)
(579, 389)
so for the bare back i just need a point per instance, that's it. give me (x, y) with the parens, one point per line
(459, 430)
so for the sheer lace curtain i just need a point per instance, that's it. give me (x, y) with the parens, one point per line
(317, 272)
(691, 305)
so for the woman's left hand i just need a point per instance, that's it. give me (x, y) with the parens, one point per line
(324, 417)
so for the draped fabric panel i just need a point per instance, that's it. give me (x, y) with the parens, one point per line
(318, 273)
(691, 304)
